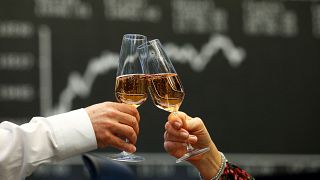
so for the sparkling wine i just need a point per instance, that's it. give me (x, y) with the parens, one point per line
(166, 91)
(131, 89)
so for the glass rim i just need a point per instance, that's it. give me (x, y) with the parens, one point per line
(135, 36)
(149, 43)
(154, 41)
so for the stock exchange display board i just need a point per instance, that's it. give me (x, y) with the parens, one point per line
(250, 68)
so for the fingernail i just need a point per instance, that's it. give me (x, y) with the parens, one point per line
(177, 124)
(193, 139)
(184, 134)
(134, 149)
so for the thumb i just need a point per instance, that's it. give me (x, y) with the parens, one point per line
(178, 119)
(194, 124)
(188, 123)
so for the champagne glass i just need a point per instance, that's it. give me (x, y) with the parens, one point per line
(131, 84)
(164, 84)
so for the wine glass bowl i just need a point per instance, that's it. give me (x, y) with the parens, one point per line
(131, 89)
(166, 91)
(164, 84)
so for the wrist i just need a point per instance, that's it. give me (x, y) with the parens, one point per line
(210, 164)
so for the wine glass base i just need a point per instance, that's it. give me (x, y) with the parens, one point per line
(126, 157)
(192, 153)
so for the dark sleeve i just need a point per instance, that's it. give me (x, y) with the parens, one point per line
(232, 172)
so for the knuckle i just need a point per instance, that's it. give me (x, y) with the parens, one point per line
(198, 119)
(131, 132)
(111, 112)
(111, 126)
(132, 135)
(171, 130)
(132, 109)
(134, 112)
(166, 126)
(107, 104)
(134, 122)
(182, 113)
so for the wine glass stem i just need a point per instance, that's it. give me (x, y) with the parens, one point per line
(189, 147)
(125, 152)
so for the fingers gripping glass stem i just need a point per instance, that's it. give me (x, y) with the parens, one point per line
(127, 157)
(191, 151)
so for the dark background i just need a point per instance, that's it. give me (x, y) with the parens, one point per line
(266, 104)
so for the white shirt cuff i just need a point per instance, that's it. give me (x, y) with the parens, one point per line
(73, 133)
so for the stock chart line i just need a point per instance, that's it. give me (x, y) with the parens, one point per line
(199, 59)
(80, 85)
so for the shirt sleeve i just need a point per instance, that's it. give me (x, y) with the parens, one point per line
(43, 140)
(232, 172)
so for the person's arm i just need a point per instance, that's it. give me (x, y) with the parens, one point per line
(181, 129)
(46, 140)
(43, 140)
